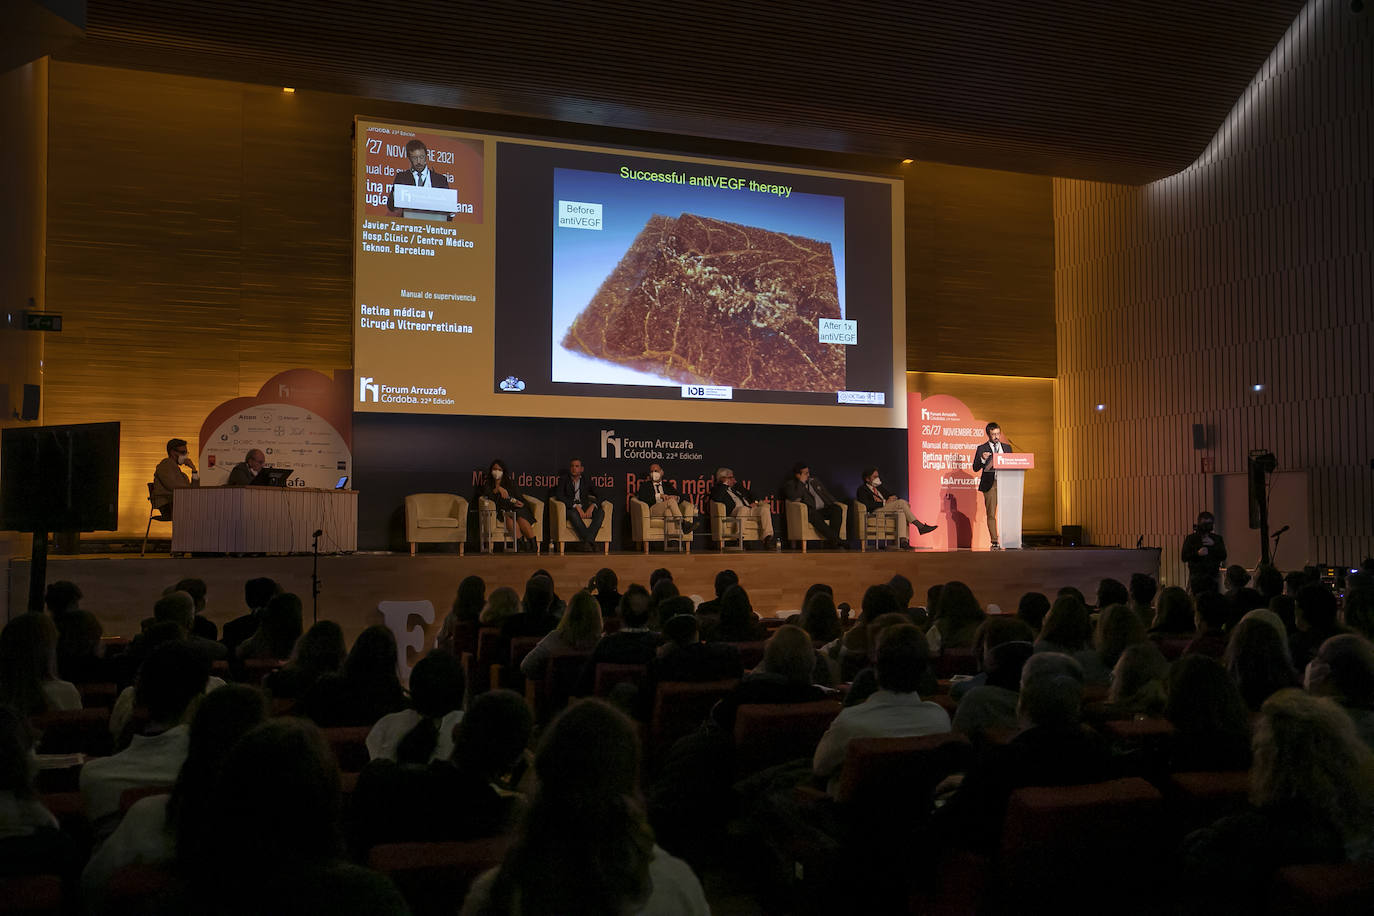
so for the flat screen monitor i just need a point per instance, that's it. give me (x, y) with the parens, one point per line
(60, 478)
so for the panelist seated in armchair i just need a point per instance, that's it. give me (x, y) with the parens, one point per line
(740, 503)
(499, 487)
(585, 513)
(823, 511)
(881, 501)
(661, 496)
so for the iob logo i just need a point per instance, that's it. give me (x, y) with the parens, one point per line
(367, 385)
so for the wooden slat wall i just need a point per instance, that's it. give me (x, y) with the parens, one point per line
(1253, 266)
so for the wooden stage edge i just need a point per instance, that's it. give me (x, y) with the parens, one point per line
(121, 590)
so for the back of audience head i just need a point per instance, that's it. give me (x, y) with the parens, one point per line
(1004, 663)
(877, 601)
(471, 596)
(538, 598)
(1201, 585)
(1071, 590)
(1294, 581)
(1051, 691)
(1067, 625)
(1112, 591)
(903, 655)
(1268, 581)
(372, 660)
(1117, 628)
(502, 603)
(901, 587)
(789, 654)
(581, 624)
(176, 607)
(1358, 613)
(281, 623)
(724, 579)
(933, 597)
(1286, 609)
(674, 607)
(958, 607)
(194, 587)
(1213, 611)
(320, 650)
(585, 836)
(1343, 669)
(736, 614)
(16, 754)
(436, 689)
(492, 734)
(1308, 756)
(1257, 657)
(661, 592)
(634, 607)
(257, 592)
(997, 630)
(1032, 608)
(659, 575)
(1174, 613)
(1316, 609)
(1203, 700)
(681, 630)
(1245, 600)
(221, 719)
(1236, 577)
(1143, 588)
(1138, 680)
(62, 597)
(171, 678)
(817, 588)
(820, 618)
(605, 581)
(28, 658)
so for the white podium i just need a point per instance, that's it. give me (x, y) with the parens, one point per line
(1011, 468)
(424, 203)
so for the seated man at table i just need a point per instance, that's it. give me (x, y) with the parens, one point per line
(661, 495)
(168, 476)
(740, 503)
(822, 510)
(244, 472)
(881, 501)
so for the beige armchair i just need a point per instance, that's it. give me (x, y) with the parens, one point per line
(732, 528)
(876, 528)
(436, 518)
(799, 527)
(646, 527)
(561, 532)
(493, 530)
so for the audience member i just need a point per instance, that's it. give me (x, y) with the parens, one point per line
(991, 633)
(318, 653)
(1111, 591)
(79, 650)
(1311, 794)
(853, 651)
(660, 574)
(256, 593)
(896, 710)
(1118, 627)
(1243, 601)
(1343, 670)
(466, 611)
(1175, 616)
(1236, 579)
(180, 608)
(28, 668)
(1143, 588)
(424, 732)
(724, 579)
(502, 604)
(684, 657)
(30, 841)
(1033, 608)
(606, 586)
(122, 719)
(1358, 613)
(784, 676)
(200, 625)
(820, 618)
(585, 846)
(1286, 609)
(279, 626)
(1269, 581)
(901, 587)
(956, 618)
(577, 631)
(633, 644)
(537, 618)
(365, 690)
(1294, 581)
(556, 604)
(661, 591)
(1211, 721)
(1212, 612)
(172, 677)
(1138, 681)
(456, 798)
(1067, 626)
(282, 774)
(153, 827)
(1257, 658)
(990, 707)
(1316, 622)
(738, 622)
(1053, 749)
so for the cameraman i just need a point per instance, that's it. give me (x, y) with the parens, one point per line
(1204, 551)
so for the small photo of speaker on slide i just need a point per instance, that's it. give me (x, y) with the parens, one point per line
(424, 177)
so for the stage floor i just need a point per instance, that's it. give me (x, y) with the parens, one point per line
(121, 590)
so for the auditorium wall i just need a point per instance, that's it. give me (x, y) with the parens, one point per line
(1255, 266)
(199, 241)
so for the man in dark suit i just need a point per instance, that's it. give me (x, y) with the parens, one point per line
(879, 500)
(661, 496)
(740, 503)
(987, 484)
(245, 471)
(419, 175)
(167, 476)
(822, 510)
(585, 513)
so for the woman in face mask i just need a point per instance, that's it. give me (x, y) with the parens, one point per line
(500, 488)
(881, 501)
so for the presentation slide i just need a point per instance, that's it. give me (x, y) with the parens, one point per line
(520, 277)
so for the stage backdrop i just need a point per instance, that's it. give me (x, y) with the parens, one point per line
(400, 454)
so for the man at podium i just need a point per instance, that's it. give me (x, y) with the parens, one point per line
(987, 484)
(419, 175)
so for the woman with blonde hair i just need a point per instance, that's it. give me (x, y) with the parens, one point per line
(578, 631)
(1311, 797)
